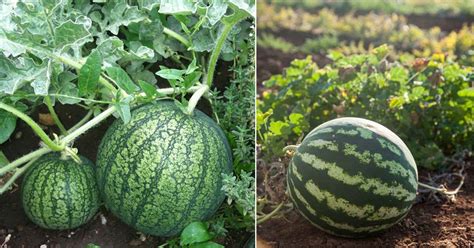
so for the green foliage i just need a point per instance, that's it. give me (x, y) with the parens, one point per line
(62, 49)
(3, 159)
(271, 41)
(407, 7)
(100, 53)
(241, 192)
(428, 104)
(235, 109)
(350, 33)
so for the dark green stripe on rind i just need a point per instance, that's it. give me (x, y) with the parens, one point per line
(351, 181)
(60, 194)
(163, 169)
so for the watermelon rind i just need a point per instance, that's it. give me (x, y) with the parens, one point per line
(58, 193)
(163, 169)
(352, 177)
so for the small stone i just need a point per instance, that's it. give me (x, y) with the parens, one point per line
(103, 220)
(18, 135)
(135, 242)
(43, 246)
(46, 119)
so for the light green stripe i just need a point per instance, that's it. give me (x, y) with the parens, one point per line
(386, 144)
(347, 132)
(364, 157)
(294, 171)
(306, 204)
(319, 143)
(340, 204)
(396, 168)
(373, 185)
(365, 133)
(393, 167)
(384, 213)
(317, 131)
(347, 227)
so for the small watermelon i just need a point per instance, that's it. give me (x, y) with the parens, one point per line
(59, 193)
(163, 169)
(352, 177)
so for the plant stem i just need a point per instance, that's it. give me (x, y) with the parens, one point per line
(195, 98)
(271, 214)
(24, 159)
(49, 104)
(82, 121)
(177, 36)
(170, 91)
(76, 133)
(290, 148)
(220, 43)
(43, 136)
(443, 190)
(17, 173)
(67, 139)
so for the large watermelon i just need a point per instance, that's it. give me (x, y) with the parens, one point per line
(352, 177)
(163, 169)
(59, 193)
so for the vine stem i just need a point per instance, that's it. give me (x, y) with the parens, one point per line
(271, 214)
(195, 98)
(177, 36)
(76, 133)
(170, 91)
(443, 190)
(290, 148)
(82, 121)
(17, 173)
(43, 136)
(67, 139)
(56, 119)
(24, 159)
(220, 43)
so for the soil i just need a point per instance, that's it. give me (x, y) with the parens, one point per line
(429, 223)
(112, 233)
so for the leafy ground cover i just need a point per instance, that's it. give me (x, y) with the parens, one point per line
(407, 7)
(297, 95)
(68, 67)
(349, 33)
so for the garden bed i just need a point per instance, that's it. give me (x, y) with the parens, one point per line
(104, 229)
(428, 224)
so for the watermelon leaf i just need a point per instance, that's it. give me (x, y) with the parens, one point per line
(7, 125)
(196, 232)
(122, 79)
(89, 74)
(3, 159)
(208, 244)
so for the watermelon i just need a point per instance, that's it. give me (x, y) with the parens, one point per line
(58, 193)
(352, 177)
(163, 169)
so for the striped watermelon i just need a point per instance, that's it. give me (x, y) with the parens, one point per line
(352, 177)
(163, 169)
(59, 193)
